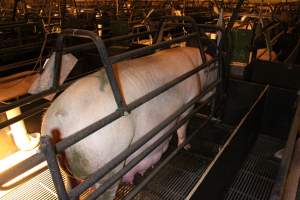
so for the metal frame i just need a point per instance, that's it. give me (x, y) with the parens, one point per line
(49, 150)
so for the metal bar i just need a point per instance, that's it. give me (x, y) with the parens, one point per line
(105, 60)
(18, 64)
(33, 98)
(135, 146)
(289, 151)
(141, 51)
(17, 24)
(227, 143)
(151, 148)
(113, 59)
(20, 168)
(195, 29)
(57, 61)
(79, 135)
(48, 149)
(23, 180)
(29, 113)
(91, 45)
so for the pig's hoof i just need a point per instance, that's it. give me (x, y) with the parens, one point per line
(128, 179)
(279, 154)
(142, 172)
(187, 147)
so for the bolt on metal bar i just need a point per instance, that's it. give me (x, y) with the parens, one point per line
(151, 148)
(48, 149)
(132, 148)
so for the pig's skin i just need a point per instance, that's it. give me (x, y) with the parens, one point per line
(90, 99)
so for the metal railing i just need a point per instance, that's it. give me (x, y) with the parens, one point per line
(50, 150)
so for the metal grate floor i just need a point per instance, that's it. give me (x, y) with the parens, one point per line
(39, 187)
(255, 179)
(174, 181)
(178, 177)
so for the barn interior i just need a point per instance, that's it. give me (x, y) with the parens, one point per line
(242, 133)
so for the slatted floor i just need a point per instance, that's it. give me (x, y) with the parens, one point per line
(177, 178)
(255, 179)
(173, 182)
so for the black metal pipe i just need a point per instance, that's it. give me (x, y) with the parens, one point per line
(25, 115)
(79, 135)
(91, 45)
(19, 64)
(90, 129)
(57, 62)
(141, 51)
(48, 149)
(113, 59)
(104, 58)
(147, 151)
(279, 189)
(33, 98)
(135, 146)
(195, 29)
(20, 168)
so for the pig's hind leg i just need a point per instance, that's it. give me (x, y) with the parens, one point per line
(181, 132)
(111, 192)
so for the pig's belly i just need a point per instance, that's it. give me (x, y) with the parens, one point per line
(146, 118)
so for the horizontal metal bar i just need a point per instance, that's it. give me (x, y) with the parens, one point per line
(141, 51)
(33, 98)
(18, 64)
(113, 60)
(5, 80)
(20, 168)
(24, 179)
(93, 178)
(25, 115)
(275, 38)
(17, 24)
(79, 135)
(228, 141)
(7, 50)
(152, 147)
(91, 45)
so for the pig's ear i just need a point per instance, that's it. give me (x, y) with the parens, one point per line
(44, 80)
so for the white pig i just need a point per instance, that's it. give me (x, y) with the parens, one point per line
(90, 99)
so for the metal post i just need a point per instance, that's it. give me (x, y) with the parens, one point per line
(49, 151)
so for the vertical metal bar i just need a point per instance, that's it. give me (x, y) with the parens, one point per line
(48, 149)
(57, 62)
(290, 148)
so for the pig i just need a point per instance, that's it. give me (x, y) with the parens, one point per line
(90, 99)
